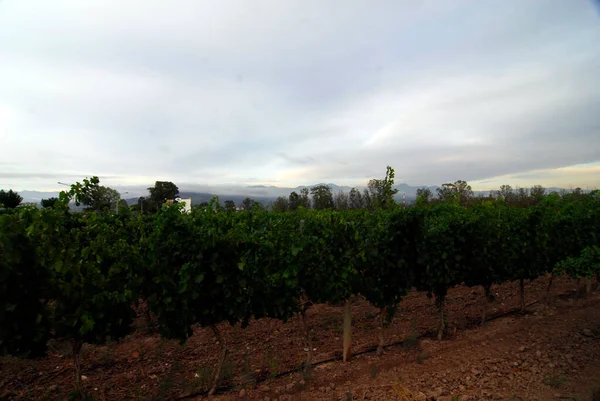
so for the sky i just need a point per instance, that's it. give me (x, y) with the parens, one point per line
(290, 93)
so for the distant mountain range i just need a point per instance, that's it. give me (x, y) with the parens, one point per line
(261, 193)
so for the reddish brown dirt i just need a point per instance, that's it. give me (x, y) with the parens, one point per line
(547, 353)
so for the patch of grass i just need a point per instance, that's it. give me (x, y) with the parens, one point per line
(248, 377)
(273, 364)
(202, 379)
(555, 381)
(159, 352)
(227, 372)
(109, 351)
(596, 393)
(168, 383)
(334, 323)
(300, 386)
(413, 337)
(422, 356)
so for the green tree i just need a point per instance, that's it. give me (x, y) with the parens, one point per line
(123, 205)
(230, 206)
(538, 192)
(93, 196)
(248, 203)
(49, 202)
(144, 204)
(281, 204)
(304, 198)
(505, 192)
(424, 196)
(341, 201)
(24, 289)
(459, 192)
(322, 197)
(100, 199)
(294, 201)
(10, 199)
(381, 192)
(355, 199)
(161, 192)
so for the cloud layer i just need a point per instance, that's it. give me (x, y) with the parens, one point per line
(294, 93)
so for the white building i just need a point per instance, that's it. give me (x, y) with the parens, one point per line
(187, 204)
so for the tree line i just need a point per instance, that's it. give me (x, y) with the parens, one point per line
(379, 194)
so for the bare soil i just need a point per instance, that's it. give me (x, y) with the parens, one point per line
(549, 352)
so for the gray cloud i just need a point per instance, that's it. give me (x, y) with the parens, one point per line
(296, 93)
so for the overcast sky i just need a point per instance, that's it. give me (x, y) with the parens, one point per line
(293, 93)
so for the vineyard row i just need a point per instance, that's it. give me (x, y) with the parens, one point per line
(76, 276)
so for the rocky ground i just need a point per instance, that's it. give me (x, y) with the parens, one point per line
(549, 352)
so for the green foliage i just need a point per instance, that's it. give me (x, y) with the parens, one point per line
(91, 267)
(585, 265)
(281, 204)
(322, 197)
(458, 192)
(248, 204)
(95, 197)
(555, 381)
(424, 196)
(355, 199)
(230, 206)
(380, 193)
(75, 276)
(24, 289)
(10, 199)
(49, 202)
(160, 193)
(388, 261)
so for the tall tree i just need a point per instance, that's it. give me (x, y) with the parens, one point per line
(248, 203)
(10, 199)
(281, 204)
(459, 192)
(355, 199)
(101, 198)
(341, 201)
(424, 196)
(93, 196)
(322, 197)
(381, 192)
(230, 206)
(144, 204)
(505, 192)
(294, 201)
(538, 192)
(304, 198)
(161, 192)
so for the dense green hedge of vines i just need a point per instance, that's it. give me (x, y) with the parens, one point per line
(75, 276)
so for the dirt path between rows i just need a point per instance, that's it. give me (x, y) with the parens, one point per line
(547, 353)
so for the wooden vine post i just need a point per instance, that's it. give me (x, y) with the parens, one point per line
(487, 290)
(382, 324)
(522, 294)
(307, 339)
(441, 301)
(222, 358)
(347, 330)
